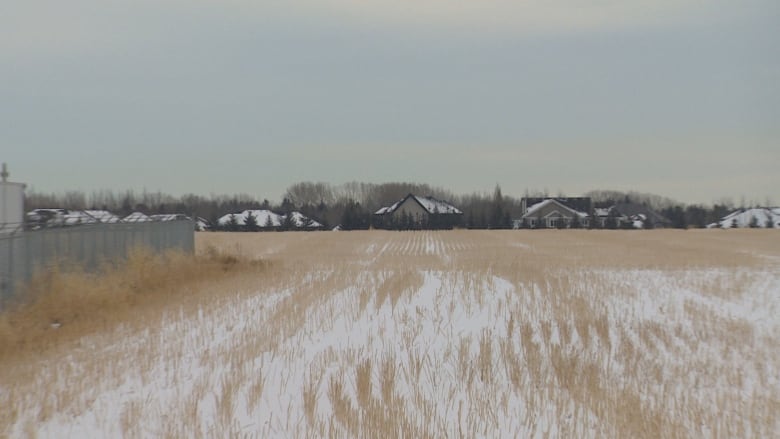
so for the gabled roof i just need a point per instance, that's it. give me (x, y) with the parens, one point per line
(136, 217)
(580, 204)
(551, 201)
(103, 216)
(429, 204)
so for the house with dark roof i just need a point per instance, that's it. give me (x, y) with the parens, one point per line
(641, 216)
(630, 215)
(416, 212)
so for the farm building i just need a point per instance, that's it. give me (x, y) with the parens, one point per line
(11, 202)
(39, 218)
(415, 212)
(136, 217)
(43, 218)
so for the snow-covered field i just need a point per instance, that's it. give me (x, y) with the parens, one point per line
(436, 334)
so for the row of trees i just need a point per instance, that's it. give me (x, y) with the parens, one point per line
(251, 224)
(352, 205)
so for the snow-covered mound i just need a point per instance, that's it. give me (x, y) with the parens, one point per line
(763, 217)
(301, 220)
(262, 218)
(266, 218)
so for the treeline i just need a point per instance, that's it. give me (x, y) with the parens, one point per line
(352, 205)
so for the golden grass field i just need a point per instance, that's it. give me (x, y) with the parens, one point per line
(407, 334)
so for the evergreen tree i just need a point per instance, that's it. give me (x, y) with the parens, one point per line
(287, 223)
(497, 210)
(127, 207)
(354, 217)
(232, 224)
(250, 223)
(269, 223)
(678, 218)
(612, 221)
(753, 222)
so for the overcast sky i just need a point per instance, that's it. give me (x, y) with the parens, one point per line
(675, 97)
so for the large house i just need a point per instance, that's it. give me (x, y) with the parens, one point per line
(638, 216)
(415, 212)
(580, 204)
(560, 213)
(552, 213)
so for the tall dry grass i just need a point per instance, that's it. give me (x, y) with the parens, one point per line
(426, 334)
(65, 303)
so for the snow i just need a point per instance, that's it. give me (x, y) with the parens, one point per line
(136, 217)
(535, 207)
(743, 218)
(428, 323)
(433, 205)
(262, 219)
(64, 217)
(103, 216)
(201, 224)
(176, 379)
(75, 217)
(169, 217)
(430, 204)
(300, 220)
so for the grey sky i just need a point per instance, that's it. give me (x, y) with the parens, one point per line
(680, 98)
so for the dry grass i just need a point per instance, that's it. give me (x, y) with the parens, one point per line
(65, 303)
(414, 334)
